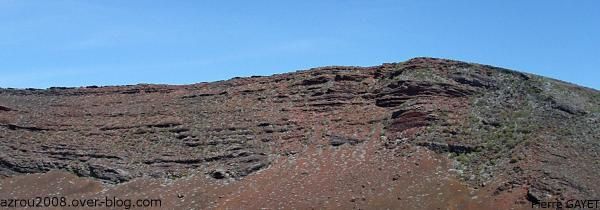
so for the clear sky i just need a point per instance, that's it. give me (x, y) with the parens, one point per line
(109, 42)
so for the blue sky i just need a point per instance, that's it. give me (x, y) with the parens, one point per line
(78, 43)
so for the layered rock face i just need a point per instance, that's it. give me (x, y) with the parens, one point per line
(370, 132)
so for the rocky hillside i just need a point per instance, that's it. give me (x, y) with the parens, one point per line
(463, 135)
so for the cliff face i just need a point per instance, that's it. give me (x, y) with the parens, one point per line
(328, 137)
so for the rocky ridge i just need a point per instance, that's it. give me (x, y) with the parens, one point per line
(500, 131)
